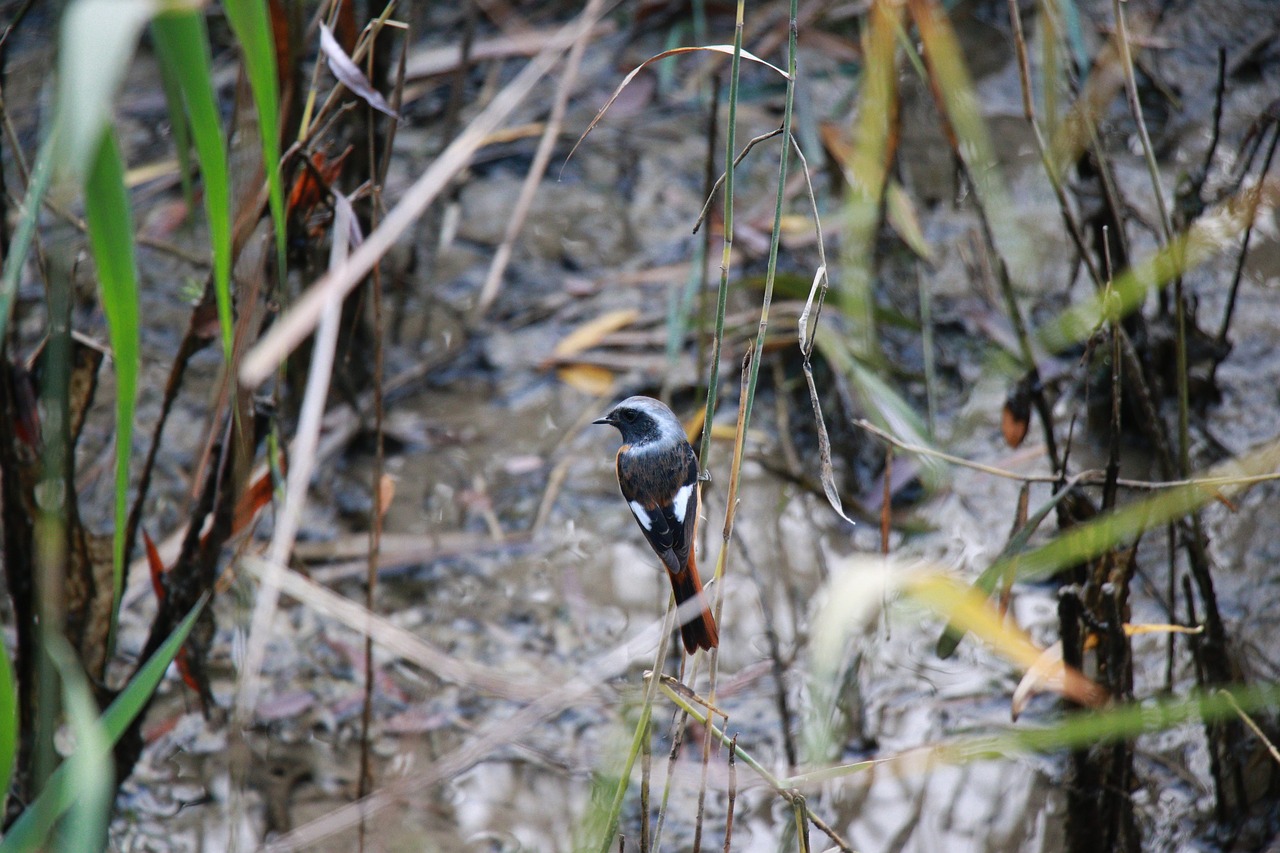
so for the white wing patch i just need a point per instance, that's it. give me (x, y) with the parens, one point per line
(641, 514)
(680, 504)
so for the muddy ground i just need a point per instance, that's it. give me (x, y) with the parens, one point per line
(506, 543)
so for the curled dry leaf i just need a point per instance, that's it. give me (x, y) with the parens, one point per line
(312, 184)
(1016, 417)
(1044, 674)
(251, 502)
(901, 213)
(828, 475)
(349, 74)
(971, 610)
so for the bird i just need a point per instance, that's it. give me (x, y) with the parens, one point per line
(658, 475)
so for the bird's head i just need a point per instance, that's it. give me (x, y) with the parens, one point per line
(642, 420)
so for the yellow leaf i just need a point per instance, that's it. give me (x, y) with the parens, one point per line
(966, 607)
(901, 212)
(592, 332)
(1134, 630)
(588, 378)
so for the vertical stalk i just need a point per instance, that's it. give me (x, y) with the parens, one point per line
(730, 141)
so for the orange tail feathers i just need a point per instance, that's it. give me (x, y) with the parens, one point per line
(700, 631)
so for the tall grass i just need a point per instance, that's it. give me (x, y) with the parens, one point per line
(80, 159)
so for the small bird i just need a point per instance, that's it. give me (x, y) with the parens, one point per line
(658, 474)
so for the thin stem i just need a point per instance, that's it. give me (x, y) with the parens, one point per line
(731, 138)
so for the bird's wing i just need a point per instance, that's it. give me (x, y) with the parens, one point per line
(661, 489)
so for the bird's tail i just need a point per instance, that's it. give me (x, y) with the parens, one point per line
(700, 631)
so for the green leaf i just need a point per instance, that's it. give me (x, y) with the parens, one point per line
(1108, 531)
(883, 405)
(90, 765)
(866, 173)
(31, 830)
(98, 41)
(110, 224)
(8, 721)
(182, 44)
(180, 127)
(249, 21)
(23, 233)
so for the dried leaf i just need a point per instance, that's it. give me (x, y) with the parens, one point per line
(83, 383)
(183, 661)
(828, 475)
(1042, 675)
(693, 426)
(280, 36)
(156, 565)
(588, 378)
(349, 74)
(251, 501)
(969, 608)
(1013, 427)
(901, 213)
(312, 184)
(592, 332)
(1134, 630)
(386, 493)
(1016, 417)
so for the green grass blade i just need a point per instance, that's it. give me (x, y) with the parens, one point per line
(110, 223)
(884, 406)
(986, 582)
(866, 172)
(16, 257)
(1106, 532)
(248, 18)
(181, 130)
(1210, 235)
(30, 831)
(182, 44)
(954, 86)
(98, 39)
(85, 830)
(8, 721)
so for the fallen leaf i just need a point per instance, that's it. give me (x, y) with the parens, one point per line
(592, 332)
(349, 74)
(588, 378)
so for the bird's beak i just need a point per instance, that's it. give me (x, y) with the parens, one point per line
(607, 420)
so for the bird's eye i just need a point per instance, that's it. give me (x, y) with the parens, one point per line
(628, 415)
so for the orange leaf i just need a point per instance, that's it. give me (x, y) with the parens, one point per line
(1015, 419)
(156, 565)
(386, 493)
(184, 669)
(254, 499)
(311, 186)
